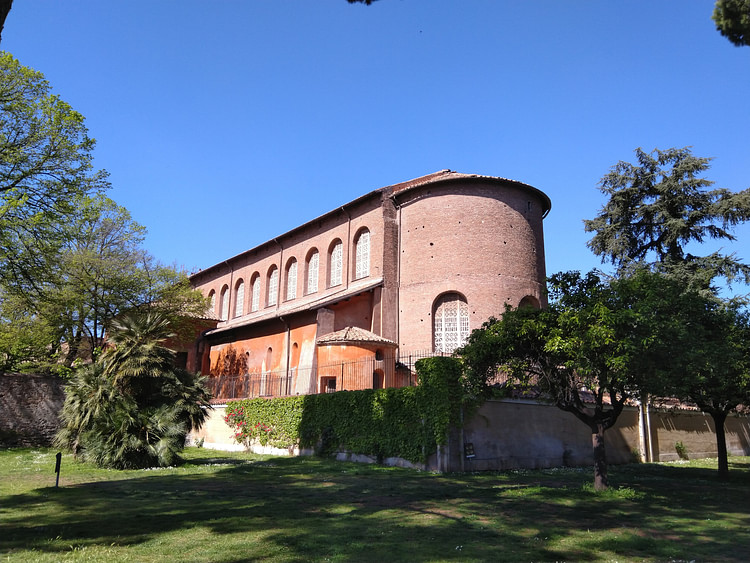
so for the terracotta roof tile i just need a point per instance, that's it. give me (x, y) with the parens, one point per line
(353, 334)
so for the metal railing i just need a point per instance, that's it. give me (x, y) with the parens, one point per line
(369, 373)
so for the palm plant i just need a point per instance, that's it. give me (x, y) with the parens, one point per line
(136, 352)
(88, 395)
(133, 408)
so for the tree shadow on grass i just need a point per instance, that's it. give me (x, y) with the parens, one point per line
(653, 511)
(303, 510)
(298, 509)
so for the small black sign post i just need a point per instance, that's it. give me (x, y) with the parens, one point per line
(58, 458)
(469, 450)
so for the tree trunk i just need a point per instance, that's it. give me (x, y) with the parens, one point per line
(74, 344)
(600, 457)
(721, 443)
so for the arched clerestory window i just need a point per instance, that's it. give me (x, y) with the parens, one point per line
(212, 303)
(255, 289)
(362, 255)
(291, 279)
(313, 264)
(529, 301)
(224, 306)
(273, 286)
(335, 263)
(239, 298)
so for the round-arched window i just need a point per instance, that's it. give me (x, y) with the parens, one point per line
(450, 322)
(362, 255)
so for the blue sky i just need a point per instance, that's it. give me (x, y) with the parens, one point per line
(226, 123)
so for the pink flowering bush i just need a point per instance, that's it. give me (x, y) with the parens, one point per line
(264, 422)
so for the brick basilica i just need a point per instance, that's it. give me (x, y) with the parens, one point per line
(339, 302)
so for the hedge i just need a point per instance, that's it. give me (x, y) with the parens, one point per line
(408, 422)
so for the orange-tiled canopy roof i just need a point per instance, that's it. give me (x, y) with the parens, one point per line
(353, 334)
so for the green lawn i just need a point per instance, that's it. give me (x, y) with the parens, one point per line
(242, 507)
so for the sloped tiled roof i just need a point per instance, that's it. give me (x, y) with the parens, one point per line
(393, 191)
(449, 175)
(445, 174)
(353, 334)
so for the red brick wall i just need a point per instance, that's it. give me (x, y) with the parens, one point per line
(356, 311)
(481, 239)
(343, 224)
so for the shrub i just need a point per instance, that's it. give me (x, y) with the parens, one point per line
(409, 422)
(681, 450)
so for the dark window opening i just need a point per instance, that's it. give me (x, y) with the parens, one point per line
(328, 384)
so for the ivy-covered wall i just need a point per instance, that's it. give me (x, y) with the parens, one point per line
(408, 423)
(500, 434)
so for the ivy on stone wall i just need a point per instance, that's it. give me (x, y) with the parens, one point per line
(442, 394)
(408, 423)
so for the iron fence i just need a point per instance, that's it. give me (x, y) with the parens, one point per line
(369, 373)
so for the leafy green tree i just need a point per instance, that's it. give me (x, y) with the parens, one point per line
(98, 275)
(697, 348)
(132, 408)
(655, 210)
(25, 338)
(657, 207)
(563, 351)
(712, 362)
(45, 164)
(591, 350)
(722, 381)
(71, 258)
(732, 19)
(167, 291)
(102, 271)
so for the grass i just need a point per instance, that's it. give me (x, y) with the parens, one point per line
(242, 507)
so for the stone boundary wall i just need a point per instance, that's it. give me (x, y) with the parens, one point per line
(29, 409)
(503, 434)
(215, 433)
(510, 434)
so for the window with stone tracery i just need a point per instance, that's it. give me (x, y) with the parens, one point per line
(362, 255)
(224, 311)
(450, 323)
(273, 286)
(336, 263)
(212, 303)
(255, 302)
(291, 279)
(239, 298)
(312, 272)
